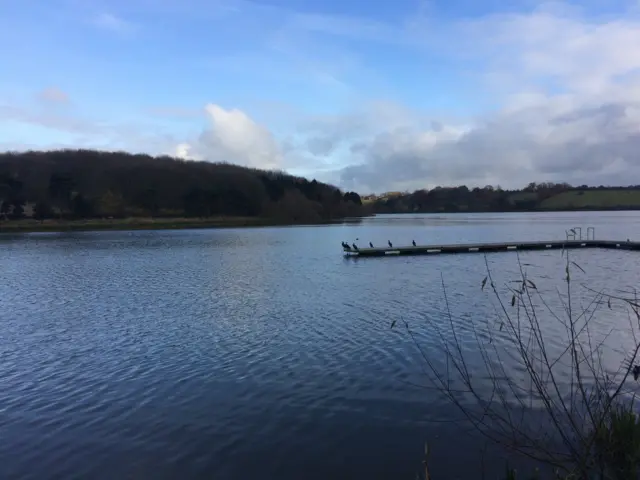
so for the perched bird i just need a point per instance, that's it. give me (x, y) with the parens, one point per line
(355, 247)
(636, 372)
(390, 244)
(346, 246)
(414, 242)
(371, 244)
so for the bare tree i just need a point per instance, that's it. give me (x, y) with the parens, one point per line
(559, 403)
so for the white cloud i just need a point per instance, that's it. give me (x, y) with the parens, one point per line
(184, 151)
(539, 138)
(109, 21)
(538, 143)
(569, 92)
(581, 55)
(235, 138)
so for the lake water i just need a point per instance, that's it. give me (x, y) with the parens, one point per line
(255, 353)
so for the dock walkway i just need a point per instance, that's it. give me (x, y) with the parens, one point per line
(492, 247)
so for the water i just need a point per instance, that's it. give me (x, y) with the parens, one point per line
(256, 353)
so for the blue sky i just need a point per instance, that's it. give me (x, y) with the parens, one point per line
(369, 95)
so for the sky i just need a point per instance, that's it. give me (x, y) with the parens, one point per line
(372, 96)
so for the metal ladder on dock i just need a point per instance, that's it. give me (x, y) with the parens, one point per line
(575, 233)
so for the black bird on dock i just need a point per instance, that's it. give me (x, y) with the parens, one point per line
(414, 242)
(390, 244)
(355, 247)
(371, 244)
(346, 246)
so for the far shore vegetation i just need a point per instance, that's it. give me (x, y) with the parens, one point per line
(88, 189)
(535, 197)
(63, 190)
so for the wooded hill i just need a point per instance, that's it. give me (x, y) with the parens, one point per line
(75, 184)
(534, 197)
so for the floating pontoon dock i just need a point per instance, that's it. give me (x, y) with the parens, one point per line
(569, 242)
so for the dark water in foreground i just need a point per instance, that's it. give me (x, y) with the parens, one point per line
(252, 353)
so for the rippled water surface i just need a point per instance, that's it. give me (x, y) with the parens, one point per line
(253, 353)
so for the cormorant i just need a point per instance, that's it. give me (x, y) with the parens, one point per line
(414, 242)
(371, 244)
(636, 372)
(355, 247)
(390, 244)
(346, 246)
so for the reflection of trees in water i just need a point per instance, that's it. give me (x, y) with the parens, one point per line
(350, 221)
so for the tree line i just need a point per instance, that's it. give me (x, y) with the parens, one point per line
(485, 199)
(74, 184)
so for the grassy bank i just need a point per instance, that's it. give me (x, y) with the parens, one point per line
(137, 223)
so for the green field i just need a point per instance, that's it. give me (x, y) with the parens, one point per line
(607, 199)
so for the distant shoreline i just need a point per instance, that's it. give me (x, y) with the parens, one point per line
(135, 223)
(530, 210)
(182, 223)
